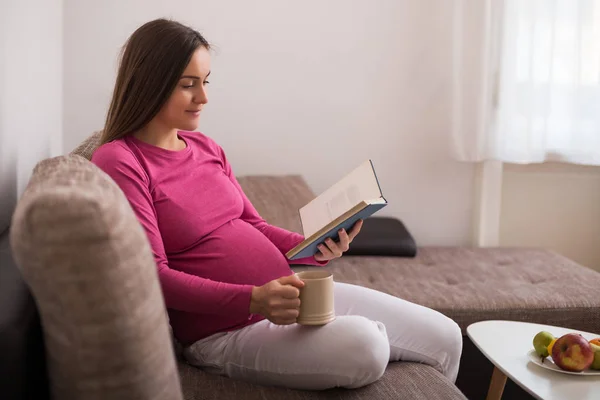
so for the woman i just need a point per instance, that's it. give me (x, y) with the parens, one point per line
(231, 295)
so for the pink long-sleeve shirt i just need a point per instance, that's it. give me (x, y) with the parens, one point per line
(210, 244)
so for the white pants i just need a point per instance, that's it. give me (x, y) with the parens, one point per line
(371, 329)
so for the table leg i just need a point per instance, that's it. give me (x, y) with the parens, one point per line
(496, 385)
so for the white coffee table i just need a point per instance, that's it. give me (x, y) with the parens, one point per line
(506, 344)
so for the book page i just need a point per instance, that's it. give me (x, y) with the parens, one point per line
(360, 184)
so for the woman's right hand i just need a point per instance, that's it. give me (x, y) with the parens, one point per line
(278, 300)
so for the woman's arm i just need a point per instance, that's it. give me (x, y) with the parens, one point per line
(181, 291)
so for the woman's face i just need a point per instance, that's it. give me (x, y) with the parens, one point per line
(182, 110)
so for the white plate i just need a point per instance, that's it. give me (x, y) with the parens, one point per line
(549, 364)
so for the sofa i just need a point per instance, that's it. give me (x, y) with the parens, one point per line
(82, 316)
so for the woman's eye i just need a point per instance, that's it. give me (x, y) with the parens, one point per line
(191, 85)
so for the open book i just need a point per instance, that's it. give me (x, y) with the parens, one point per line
(354, 197)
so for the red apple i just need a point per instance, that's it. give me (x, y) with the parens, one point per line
(572, 352)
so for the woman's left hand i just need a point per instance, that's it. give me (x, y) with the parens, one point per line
(330, 249)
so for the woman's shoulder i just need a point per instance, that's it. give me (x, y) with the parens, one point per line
(117, 160)
(113, 153)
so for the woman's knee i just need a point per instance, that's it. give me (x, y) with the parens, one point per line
(364, 348)
(456, 337)
(452, 337)
(450, 342)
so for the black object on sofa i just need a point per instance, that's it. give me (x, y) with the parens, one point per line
(22, 354)
(383, 236)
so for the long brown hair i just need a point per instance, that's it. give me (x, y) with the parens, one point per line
(151, 63)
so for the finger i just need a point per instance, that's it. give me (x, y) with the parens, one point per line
(291, 304)
(288, 313)
(290, 317)
(288, 292)
(292, 314)
(320, 257)
(344, 240)
(355, 229)
(333, 246)
(327, 254)
(291, 280)
(279, 305)
(285, 318)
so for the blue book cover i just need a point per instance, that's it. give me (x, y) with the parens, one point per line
(360, 182)
(311, 248)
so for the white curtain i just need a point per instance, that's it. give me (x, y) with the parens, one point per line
(30, 93)
(535, 93)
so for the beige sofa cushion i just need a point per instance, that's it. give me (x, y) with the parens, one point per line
(478, 284)
(90, 269)
(402, 380)
(278, 198)
(88, 146)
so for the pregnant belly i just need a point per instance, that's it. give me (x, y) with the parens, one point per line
(237, 253)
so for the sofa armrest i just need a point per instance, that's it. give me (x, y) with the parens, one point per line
(89, 266)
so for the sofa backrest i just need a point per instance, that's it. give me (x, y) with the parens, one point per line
(88, 146)
(278, 198)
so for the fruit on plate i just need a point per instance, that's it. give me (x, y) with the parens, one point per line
(551, 345)
(572, 352)
(596, 362)
(595, 341)
(541, 342)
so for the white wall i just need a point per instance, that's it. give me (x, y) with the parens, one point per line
(309, 87)
(555, 206)
(30, 92)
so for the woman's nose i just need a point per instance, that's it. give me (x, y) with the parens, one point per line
(201, 97)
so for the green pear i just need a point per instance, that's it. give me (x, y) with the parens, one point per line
(541, 342)
(596, 362)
